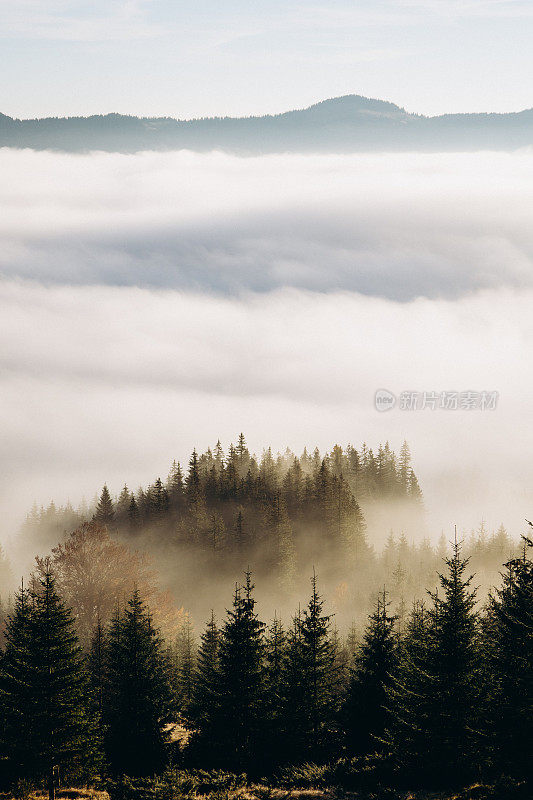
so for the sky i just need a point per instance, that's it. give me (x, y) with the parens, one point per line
(239, 57)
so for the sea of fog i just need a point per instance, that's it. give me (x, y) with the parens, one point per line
(156, 302)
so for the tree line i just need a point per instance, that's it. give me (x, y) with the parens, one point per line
(280, 515)
(231, 501)
(442, 699)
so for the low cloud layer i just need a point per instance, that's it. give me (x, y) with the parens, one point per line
(395, 226)
(153, 303)
(110, 383)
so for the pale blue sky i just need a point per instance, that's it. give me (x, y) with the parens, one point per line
(210, 57)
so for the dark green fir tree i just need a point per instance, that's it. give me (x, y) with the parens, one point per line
(138, 703)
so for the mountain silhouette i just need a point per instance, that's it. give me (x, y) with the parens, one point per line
(339, 125)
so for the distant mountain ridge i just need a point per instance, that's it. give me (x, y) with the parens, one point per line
(351, 123)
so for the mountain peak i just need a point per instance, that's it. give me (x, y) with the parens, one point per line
(356, 102)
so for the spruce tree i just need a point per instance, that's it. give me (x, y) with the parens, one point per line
(123, 504)
(134, 517)
(275, 688)
(410, 693)
(97, 677)
(233, 733)
(17, 694)
(186, 662)
(44, 690)
(311, 682)
(104, 513)
(365, 706)
(434, 703)
(193, 489)
(509, 679)
(285, 554)
(206, 677)
(175, 488)
(294, 728)
(138, 701)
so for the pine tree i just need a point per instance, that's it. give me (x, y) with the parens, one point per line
(365, 712)
(410, 692)
(434, 703)
(404, 467)
(96, 668)
(240, 532)
(275, 686)
(206, 678)
(123, 504)
(134, 517)
(175, 488)
(157, 501)
(6, 575)
(285, 553)
(104, 513)
(234, 731)
(193, 480)
(294, 728)
(17, 694)
(217, 532)
(311, 699)
(509, 678)
(44, 689)
(186, 660)
(138, 701)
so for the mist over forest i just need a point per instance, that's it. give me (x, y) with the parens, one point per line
(282, 613)
(354, 517)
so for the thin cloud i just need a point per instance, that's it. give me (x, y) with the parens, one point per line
(69, 21)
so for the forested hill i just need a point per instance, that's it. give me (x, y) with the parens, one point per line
(343, 124)
(281, 515)
(354, 515)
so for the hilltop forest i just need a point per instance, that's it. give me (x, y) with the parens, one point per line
(129, 663)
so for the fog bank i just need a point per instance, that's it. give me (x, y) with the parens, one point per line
(396, 226)
(110, 383)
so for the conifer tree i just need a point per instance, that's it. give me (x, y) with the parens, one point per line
(134, 517)
(509, 679)
(175, 487)
(138, 701)
(186, 659)
(404, 467)
(365, 712)
(217, 531)
(17, 695)
(275, 688)
(193, 480)
(312, 681)
(44, 689)
(6, 575)
(157, 501)
(104, 513)
(123, 504)
(285, 553)
(435, 700)
(234, 731)
(409, 695)
(294, 728)
(97, 676)
(206, 677)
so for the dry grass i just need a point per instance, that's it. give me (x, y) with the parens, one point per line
(63, 794)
